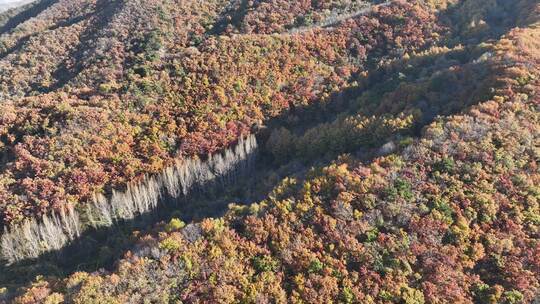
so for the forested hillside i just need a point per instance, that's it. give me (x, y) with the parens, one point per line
(103, 107)
(369, 151)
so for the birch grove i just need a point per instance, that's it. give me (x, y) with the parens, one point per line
(54, 231)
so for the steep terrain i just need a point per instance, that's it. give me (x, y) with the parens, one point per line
(103, 107)
(400, 140)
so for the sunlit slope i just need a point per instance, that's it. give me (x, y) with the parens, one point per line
(431, 195)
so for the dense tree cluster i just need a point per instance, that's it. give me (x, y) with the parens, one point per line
(419, 120)
(120, 106)
(450, 218)
(278, 16)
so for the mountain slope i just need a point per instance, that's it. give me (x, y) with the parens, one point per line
(451, 218)
(164, 93)
(400, 140)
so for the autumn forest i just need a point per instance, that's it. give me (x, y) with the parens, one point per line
(270, 151)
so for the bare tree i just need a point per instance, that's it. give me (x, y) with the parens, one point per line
(33, 238)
